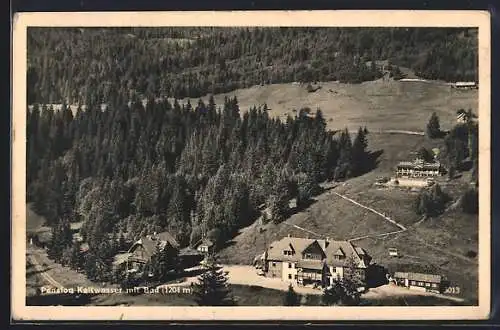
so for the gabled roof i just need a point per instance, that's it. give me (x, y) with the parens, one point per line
(339, 252)
(349, 251)
(330, 249)
(419, 165)
(361, 251)
(120, 258)
(150, 242)
(296, 244)
(206, 242)
(187, 251)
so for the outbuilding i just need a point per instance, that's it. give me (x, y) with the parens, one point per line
(419, 281)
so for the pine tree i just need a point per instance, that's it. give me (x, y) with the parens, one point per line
(60, 240)
(306, 189)
(291, 298)
(343, 168)
(212, 288)
(345, 291)
(278, 200)
(431, 202)
(76, 260)
(163, 262)
(433, 127)
(359, 155)
(470, 201)
(333, 294)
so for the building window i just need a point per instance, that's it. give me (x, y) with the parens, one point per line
(427, 284)
(289, 265)
(434, 285)
(413, 283)
(295, 276)
(289, 276)
(420, 283)
(274, 264)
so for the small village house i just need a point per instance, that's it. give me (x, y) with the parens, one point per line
(464, 117)
(135, 259)
(461, 117)
(306, 261)
(205, 246)
(142, 250)
(419, 281)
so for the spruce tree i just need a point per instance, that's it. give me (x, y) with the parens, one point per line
(163, 262)
(212, 288)
(359, 155)
(333, 294)
(425, 155)
(291, 298)
(470, 201)
(343, 168)
(433, 127)
(60, 240)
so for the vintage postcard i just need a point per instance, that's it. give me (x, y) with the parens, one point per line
(315, 165)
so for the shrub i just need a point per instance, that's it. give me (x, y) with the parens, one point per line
(431, 202)
(470, 201)
(471, 254)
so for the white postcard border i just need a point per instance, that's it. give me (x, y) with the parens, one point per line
(337, 18)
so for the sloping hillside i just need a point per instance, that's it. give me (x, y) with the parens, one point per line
(441, 243)
(379, 105)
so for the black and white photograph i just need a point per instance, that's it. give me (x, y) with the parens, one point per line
(300, 167)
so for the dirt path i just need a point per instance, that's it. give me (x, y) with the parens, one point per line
(392, 291)
(57, 275)
(394, 131)
(303, 229)
(400, 226)
(42, 272)
(246, 275)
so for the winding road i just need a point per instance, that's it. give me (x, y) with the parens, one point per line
(41, 271)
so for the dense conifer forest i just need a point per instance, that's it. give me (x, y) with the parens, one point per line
(187, 169)
(95, 65)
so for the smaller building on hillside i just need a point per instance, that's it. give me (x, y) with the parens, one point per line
(189, 257)
(205, 246)
(419, 281)
(464, 117)
(465, 85)
(418, 169)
